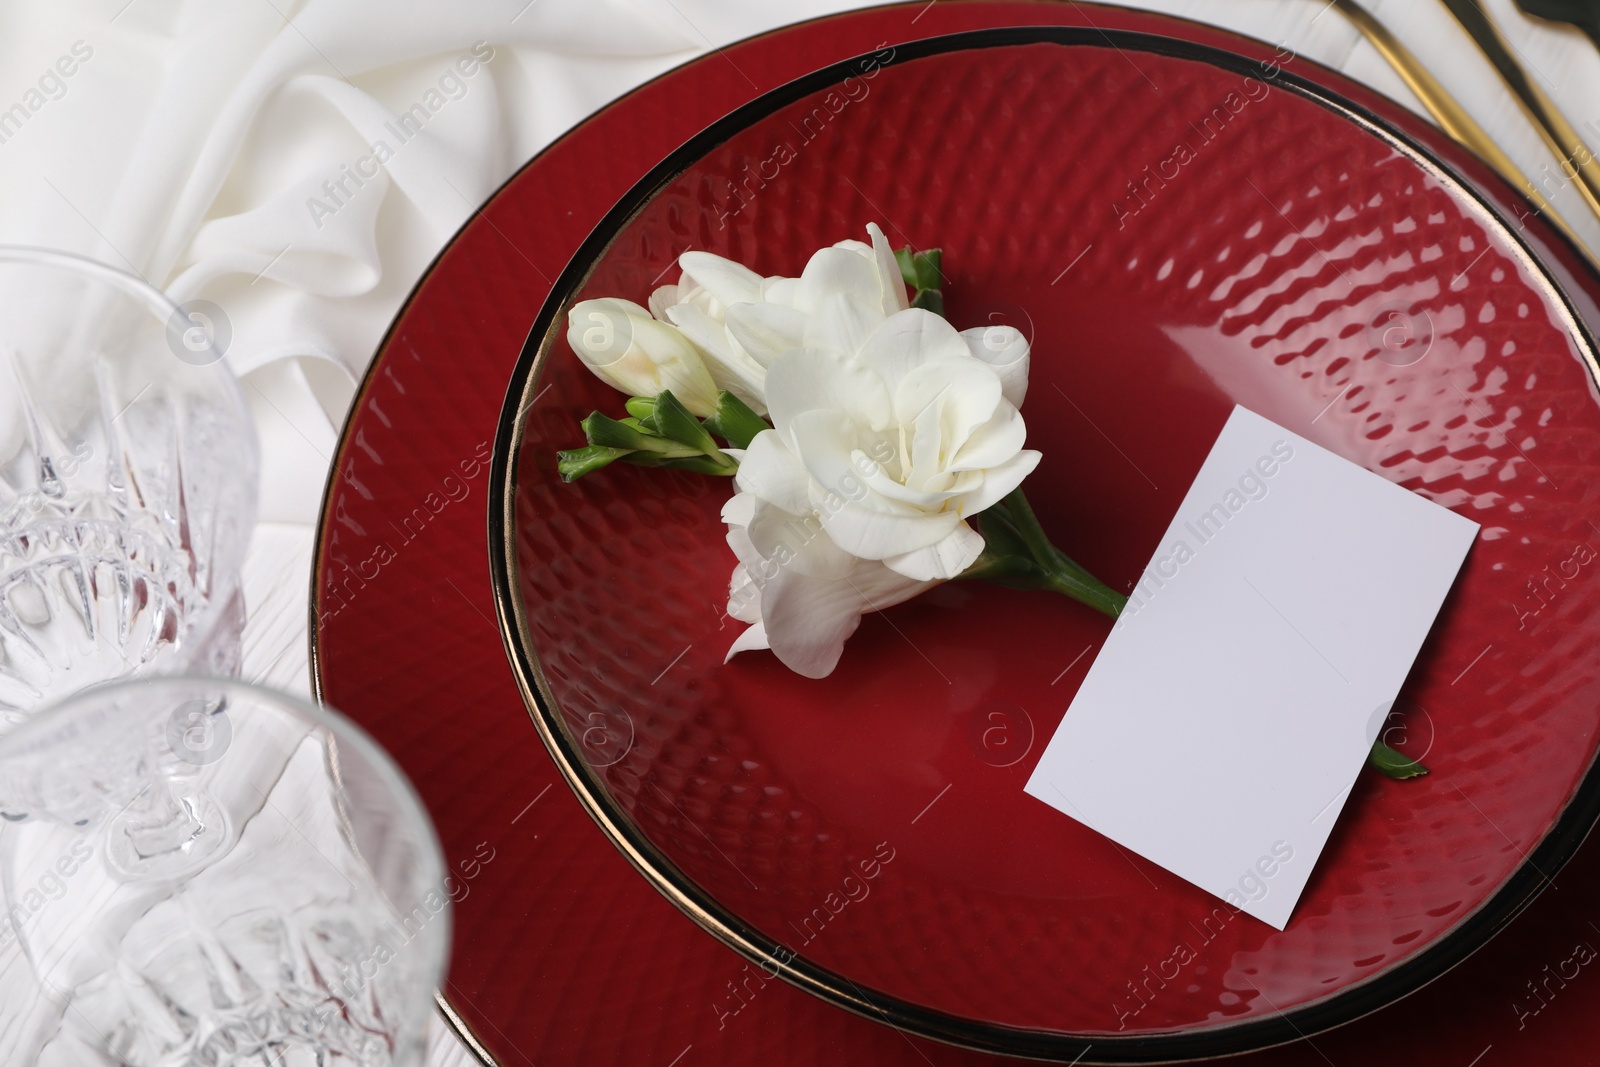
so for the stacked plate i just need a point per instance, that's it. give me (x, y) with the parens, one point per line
(1180, 220)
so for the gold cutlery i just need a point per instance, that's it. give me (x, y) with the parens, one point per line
(1577, 163)
(1447, 110)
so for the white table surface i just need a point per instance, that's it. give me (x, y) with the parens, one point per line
(292, 408)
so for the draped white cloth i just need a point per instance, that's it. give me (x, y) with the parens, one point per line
(297, 163)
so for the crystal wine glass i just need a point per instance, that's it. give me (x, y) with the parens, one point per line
(200, 871)
(128, 468)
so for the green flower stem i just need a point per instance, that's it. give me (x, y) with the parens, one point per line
(1061, 573)
(1018, 554)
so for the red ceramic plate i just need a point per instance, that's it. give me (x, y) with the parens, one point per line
(993, 923)
(1267, 246)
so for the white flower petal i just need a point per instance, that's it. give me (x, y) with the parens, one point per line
(930, 494)
(738, 538)
(850, 244)
(824, 442)
(892, 283)
(907, 340)
(753, 638)
(744, 596)
(946, 559)
(772, 473)
(810, 379)
(945, 401)
(1000, 480)
(699, 327)
(740, 508)
(808, 620)
(992, 443)
(662, 299)
(797, 543)
(836, 270)
(728, 282)
(873, 534)
(730, 367)
(1006, 350)
(778, 290)
(841, 322)
(766, 331)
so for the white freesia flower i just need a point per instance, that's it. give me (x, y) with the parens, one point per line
(888, 436)
(889, 432)
(742, 321)
(631, 351)
(802, 595)
(721, 325)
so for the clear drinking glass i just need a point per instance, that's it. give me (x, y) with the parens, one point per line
(201, 871)
(128, 470)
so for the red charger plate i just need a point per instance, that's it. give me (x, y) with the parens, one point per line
(353, 582)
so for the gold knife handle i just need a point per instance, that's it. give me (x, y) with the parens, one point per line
(1447, 110)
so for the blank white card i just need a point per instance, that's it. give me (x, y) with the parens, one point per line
(1223, 724)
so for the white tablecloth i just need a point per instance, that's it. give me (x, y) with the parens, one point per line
(225, 150)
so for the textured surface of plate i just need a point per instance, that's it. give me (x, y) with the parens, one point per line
(556, 932)
(1263, 249)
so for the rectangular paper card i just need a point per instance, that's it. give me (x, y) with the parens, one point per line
(1223, 724)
